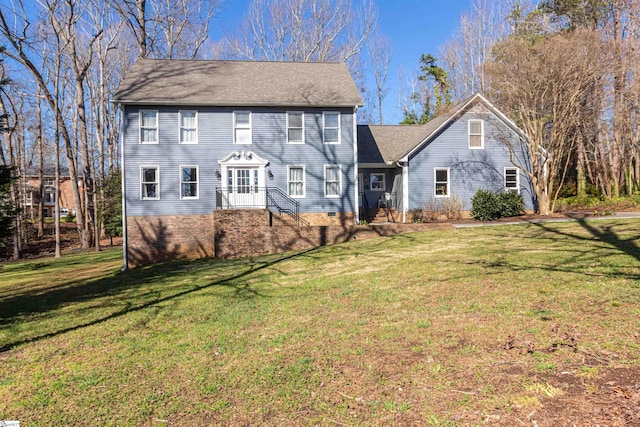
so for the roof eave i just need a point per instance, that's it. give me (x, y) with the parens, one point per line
(232, 104)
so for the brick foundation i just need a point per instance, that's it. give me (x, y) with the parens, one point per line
(242, 233)
(248, 233)
(160, 238)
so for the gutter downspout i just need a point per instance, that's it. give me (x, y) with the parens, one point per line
(125, 246)
(355, 163)
(404, 164)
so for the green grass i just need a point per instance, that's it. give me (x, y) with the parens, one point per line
(408, 329)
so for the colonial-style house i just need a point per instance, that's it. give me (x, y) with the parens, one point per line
(204, 136)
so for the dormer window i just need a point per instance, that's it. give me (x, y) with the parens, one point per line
(476, 134)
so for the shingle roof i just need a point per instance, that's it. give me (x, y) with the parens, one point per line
(48, 171)
(388, 144)
(238, 83)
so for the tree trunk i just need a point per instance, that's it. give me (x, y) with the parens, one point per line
(41, 167)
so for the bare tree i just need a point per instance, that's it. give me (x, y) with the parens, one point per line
(303, 30)
(379, 52)
(542, 85)
(463, 56)
(19, 40)
(168, 28)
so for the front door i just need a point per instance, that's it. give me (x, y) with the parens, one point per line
(243, 189)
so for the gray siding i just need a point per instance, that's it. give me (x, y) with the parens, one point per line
(215, 142)
(469, 170)
(372, 196)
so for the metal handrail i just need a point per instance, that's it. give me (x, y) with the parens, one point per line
(272, 198)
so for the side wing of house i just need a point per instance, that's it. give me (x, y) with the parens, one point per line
(187, 161)
(476, 150)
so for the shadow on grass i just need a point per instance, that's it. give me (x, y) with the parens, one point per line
(601, 242)
(75, 292)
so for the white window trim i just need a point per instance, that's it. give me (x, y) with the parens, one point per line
(142, 168)
(384, 182)
(304, 181)
(481, 147)
(517, 189)
(324, 182)
(287, 130)
(435, 183)
(140, 127)
(180, 127)
(250, 127)
(324, 115)
(197, 182)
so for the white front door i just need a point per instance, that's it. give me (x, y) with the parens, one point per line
(243, 181)
(243, 188)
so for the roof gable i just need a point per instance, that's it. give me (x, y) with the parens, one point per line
(238, 83)
(398, 142)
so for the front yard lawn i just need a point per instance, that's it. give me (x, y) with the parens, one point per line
(507, 325)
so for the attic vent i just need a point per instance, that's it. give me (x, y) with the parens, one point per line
(331, 214)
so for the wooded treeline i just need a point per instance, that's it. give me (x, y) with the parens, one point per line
(564, 70)
(62, 61)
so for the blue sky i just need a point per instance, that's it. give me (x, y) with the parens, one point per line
(413, 27)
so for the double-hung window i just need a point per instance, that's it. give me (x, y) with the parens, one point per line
(331, 127)
(242, 127)
(476, 134)
(376, 182)
(512, 179)
(148, 127)
(188, 127)
(441, 180)
(295, 127)
(332, 180)
(188, 182)
(295, 181)
(150, 180)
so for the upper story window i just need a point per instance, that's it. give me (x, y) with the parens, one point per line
(331, 127)
(295, 178)
(441, 182)
(242, 127)
(150, 182)
(476, 134)
(376, 182)
(332, 181)
(48, 182)
(148, 127)
(188, 127)
(512, 179)
(295, 127)
(189, 182)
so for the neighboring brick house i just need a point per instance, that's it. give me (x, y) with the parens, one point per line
(31, 181)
